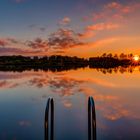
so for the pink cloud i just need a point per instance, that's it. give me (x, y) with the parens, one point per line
(115, 11)
(3, 42)
(113, 5)
(6, 84)
(19, 1)
(17, 51)
(65, 21)
(12, 46)
(120, 9)
(25, 123)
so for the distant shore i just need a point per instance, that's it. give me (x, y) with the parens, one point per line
(59, 63)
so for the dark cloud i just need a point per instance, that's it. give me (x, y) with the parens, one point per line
(12, 46)
(59, 51)
(56, 43)
(37, 27)
(9, 41)
(65, 86)
(43, 29)
(62, 85)
(39, 82)
(32, 26)
(63, 39)
(38, 43)
(13, 41)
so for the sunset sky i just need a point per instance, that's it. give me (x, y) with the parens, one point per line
(82, 28)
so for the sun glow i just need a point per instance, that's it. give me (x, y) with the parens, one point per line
(136, 58)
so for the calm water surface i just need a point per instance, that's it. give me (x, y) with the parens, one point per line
(23, 98)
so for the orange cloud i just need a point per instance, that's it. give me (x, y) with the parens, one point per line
(86, 34)
(90, 30)
(103, 26)
(67, 103)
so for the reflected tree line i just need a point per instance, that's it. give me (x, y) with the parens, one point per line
(120, 69)
(60, 63)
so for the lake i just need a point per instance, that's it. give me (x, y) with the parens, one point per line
(116, 92)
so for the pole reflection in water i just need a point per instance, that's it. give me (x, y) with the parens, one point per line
(91, 119)
(49, 120)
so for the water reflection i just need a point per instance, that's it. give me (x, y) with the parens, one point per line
(122, 70)
(116, 96)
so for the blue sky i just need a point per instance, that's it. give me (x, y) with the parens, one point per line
(92, 20)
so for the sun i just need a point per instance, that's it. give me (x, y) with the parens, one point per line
(136, 58)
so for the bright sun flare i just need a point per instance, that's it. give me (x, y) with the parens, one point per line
(136, 58)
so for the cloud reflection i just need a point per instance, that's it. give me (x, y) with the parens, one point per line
(24, 123)
(71, 83)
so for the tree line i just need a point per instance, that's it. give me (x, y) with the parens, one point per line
(58, 62)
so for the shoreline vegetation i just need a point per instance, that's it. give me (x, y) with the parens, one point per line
(60, 63)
